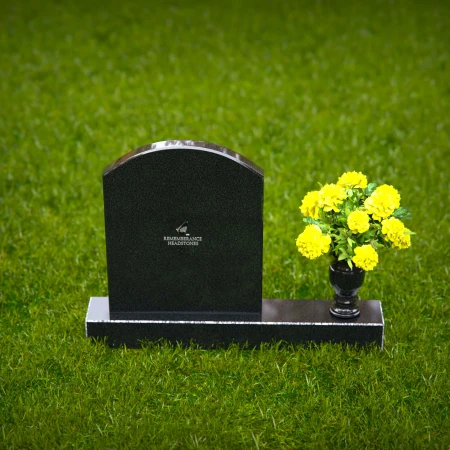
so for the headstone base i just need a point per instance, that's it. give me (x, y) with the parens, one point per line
(293, 321)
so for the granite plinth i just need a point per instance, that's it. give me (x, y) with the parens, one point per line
(293, 321)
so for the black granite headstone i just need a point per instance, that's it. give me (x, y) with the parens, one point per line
(184, 236)
(184, 233)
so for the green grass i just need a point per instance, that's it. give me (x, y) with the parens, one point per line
(307, 90)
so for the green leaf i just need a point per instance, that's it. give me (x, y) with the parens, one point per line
(311, 221)
(402, 213)
(368, 234)
(370, 188)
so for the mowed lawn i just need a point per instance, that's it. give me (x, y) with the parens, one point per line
(306, 90)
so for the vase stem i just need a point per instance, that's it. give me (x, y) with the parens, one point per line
(346, 281)
(345, 308)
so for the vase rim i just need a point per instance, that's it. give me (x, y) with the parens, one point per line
(343, 266)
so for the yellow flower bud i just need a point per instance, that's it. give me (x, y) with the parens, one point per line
(312, 243)
(330, 196)
(383, 202)
(310, 205)
(366, 257)
(352, 180)
(396, 232)
(358, 222)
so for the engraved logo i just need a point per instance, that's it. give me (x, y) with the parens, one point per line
(183, 237)
(182, 229)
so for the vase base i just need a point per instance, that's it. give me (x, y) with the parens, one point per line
(345, 308)
(344, 313)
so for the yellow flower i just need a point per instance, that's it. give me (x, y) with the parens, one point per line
(312, 243)
(330, 196)
(352, 180)
(310, 205)
(358, 221)
(366, 257)
(383, 202)
(391, 227)
(403, 240)
(396, 232)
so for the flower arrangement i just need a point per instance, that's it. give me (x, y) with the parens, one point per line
(351, 220)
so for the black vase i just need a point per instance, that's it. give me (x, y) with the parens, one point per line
(346, 282)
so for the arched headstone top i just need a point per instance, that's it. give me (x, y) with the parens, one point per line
(187, 145)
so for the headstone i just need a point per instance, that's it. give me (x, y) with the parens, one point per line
(184, 237)
(184, 233)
